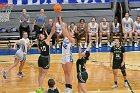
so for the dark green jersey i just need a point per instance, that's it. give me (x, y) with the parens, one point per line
(118, 53)
(44, 48)
(80, 65)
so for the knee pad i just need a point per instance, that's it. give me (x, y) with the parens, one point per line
(123, 72)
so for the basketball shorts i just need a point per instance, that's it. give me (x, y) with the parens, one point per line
(117, 65)
(44, 62)
(21, 56)
(82, 77)
(67, 58)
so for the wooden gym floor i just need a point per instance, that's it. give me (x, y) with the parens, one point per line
(100, 74)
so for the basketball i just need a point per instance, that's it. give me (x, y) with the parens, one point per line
(57, 8)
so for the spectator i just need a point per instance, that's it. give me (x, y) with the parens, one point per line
(73, 29)
(58, 33)
(127, 27)
(24, 23)
(82, 32)
(93, 31)
(39, 23)
(52, 88)
(116, 30)
(136, 30)
(104, 31)
(48, 30)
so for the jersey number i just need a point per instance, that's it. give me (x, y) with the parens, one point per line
(65, 46)
(43, 48)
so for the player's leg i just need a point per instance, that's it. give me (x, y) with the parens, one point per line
(86, 37)
(79, 88)
(83, 87)
(124, 75)
(108, 38)
(115, 73)
(96, 35)
(136, 39)
(90, 37)
(53, 40)
(130, 38)
(5, 72)
(125, 38)
(100, 44)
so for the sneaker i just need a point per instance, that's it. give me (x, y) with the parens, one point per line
(39, 90)
(85, 45)
(68, 90)
(97, 45)
(5, 74)
(135, 45)
(57, 46)
(108, 44)
(131, 44)
(115, 86)
(53, 47)
(125, 44)
(100, 45)
(125, 84)
(20, 74)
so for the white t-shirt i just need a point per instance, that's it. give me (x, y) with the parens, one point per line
(137, 26)
(104, 26)
(93, 27)
(58, 28)
(127, 24)
(24, 45)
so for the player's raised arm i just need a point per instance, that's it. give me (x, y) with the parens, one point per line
(65, 31)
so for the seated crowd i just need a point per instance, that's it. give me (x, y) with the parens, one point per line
(128, 29)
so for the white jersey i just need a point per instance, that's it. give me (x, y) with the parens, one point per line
(66, 47)
(127, 24)
(23, 45)
(117, 27)
(137, 26)
(58, 28)
(93, 27)
(104, 26)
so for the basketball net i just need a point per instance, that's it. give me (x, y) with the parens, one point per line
(5, 10)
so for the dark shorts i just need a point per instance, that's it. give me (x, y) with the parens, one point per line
(82, 77)
(117, 65)
(44, 62)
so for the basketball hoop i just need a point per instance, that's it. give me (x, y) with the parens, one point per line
(5, 10)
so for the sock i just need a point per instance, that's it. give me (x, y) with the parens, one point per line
(68, 86)
(125, 80)
(115, 82)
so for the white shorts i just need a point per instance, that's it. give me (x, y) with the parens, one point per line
(21, 56)
(67, 58)
(92, 33)
(128, 30)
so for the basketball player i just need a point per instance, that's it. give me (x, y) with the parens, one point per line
(127, 27)
(44, 58)
(136, 31)
(82, 74)
(93, 31)
(58, 33)
(117, 56)
(82, 32)
(104, 30)
(20, 55)
(67, 57)
(115, 30)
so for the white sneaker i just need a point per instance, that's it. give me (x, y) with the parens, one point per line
(100, 45)
(108, 44)
(57, 46)
(115, 86)
(135, 45)
(131, 44)
(68, 90)
(53, 47)
(125, 44)
(97, 45)
(85, 45)
(125, 84)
